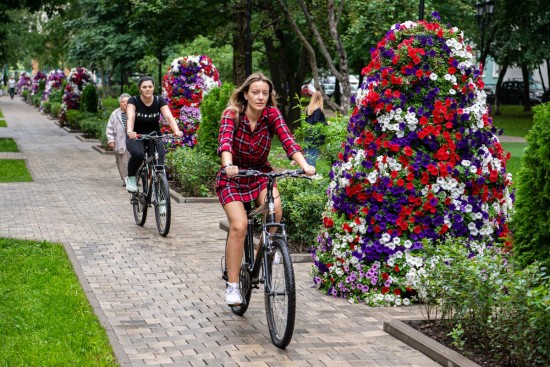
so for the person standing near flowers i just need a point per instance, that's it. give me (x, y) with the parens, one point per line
(248, 125)
(11, 86)
(116, 135)
(144, 113)
(314, 115)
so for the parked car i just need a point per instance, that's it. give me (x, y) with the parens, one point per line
(511, 92)
(329, 84)
(490, 95)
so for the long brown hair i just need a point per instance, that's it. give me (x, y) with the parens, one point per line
(238, 103)
(315, 103)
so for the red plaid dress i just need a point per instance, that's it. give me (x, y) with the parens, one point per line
(250, 150)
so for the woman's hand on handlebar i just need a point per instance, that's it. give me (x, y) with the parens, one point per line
(231, 171)
(132, 135)
(179, 134)
(309, 170)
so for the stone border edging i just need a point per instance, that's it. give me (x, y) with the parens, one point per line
(102, 150)
(178, 198)
(88, 140)
(426, 345)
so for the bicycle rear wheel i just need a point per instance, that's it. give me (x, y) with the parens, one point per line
(162, 204)
(280, 294)
(142, 197)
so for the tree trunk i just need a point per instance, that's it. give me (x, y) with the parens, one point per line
(501, 74)
(239, 41)
(526, 99)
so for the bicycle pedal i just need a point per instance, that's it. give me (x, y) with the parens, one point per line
(255, 286)
(225, 276)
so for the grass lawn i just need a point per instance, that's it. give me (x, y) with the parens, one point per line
(14, 170)
(8, 145)
(514, 163)
(513, 120)
(3, 123)
(45, 317)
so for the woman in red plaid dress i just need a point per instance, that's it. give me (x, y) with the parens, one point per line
(247, 127)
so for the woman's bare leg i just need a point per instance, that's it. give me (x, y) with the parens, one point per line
(236, 216)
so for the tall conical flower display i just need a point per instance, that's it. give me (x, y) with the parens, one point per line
(77, 80)
(188, 80)
(54, 80)
(422, 162)
(37, 78)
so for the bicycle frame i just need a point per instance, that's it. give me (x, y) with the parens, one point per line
(268, 222)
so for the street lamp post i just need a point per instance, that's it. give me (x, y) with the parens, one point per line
(421, 10)
(484, 10)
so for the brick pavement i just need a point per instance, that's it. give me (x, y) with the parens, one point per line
(161, 299)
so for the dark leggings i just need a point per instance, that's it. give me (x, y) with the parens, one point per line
(137, 153)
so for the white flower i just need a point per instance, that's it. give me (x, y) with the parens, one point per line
(433, 76)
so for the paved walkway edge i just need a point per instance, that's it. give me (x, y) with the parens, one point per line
(120, 354)
(426, 345)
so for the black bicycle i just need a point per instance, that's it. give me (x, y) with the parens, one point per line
(152, 185)
(271, 266)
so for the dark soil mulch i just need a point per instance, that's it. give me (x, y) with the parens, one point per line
(471, 350)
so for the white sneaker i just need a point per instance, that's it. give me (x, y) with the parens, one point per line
(131, 184)
(233, 294)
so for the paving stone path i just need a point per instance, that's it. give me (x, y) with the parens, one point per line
(161, 299)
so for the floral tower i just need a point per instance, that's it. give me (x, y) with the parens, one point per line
(54, 81)
(422, 162)
(76, 82)
(24, 83)
(188, 80)
(35, 84)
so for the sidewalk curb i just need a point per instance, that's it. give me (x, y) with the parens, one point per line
(426, 345)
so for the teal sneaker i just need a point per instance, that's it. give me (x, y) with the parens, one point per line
(131, 184)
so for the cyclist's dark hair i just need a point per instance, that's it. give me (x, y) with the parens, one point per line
(144, 79)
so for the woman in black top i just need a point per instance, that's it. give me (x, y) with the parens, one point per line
(143, 118)
(314, 115)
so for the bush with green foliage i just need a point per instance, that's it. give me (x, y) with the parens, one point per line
(212, 107)
(110, 104)
(46, 106)
(499, 308)
(531, 222)
(193, 171)
(74, 117)
(303, 203)
(91, 126)
(55, 109)
(89, 100)
(132, 89)
(25, 95)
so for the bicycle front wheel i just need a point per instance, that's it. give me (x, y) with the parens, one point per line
(142, 197)
(280, 294)
(162, 204)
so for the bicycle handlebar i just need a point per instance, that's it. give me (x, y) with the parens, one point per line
(297, 173)
(155, 136)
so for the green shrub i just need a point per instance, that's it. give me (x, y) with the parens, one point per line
(193, 171)
(55, 109)
(110, 104)
(46, 106)
(55, 96)
(531, 222)
(303, 203)
(35, 100)
(74, 117)
(89, 99)
(91, 127)
(25, 95)
(102, 135)
(501, 309)
(132, 89)
(212, 107)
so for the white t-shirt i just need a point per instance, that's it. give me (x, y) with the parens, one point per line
(11, 83)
